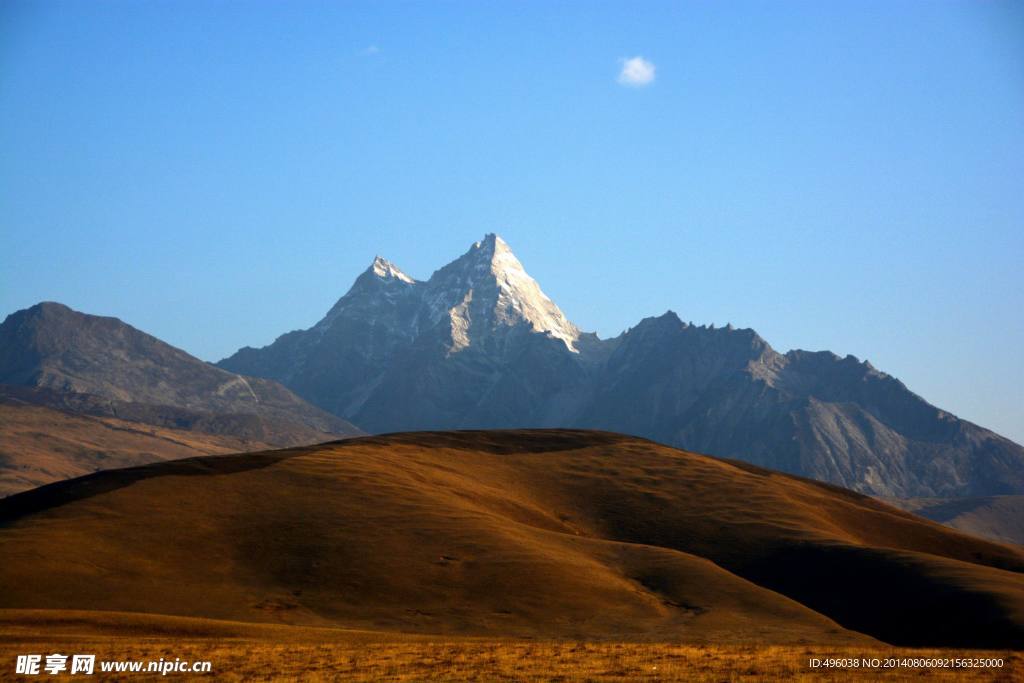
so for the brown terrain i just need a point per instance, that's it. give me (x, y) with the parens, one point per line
(246, 427)
(547, 534)
(40, 445)
(246, 652)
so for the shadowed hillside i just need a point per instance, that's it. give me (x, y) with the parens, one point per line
(54, 356)
(39, 445)
(549, 533)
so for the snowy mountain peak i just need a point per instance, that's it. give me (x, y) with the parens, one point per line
(488, 285)
(385, 269)
(482, 292)
(379, 286)
(495, 253)
(491, 243)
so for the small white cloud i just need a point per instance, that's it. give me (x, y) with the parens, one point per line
(636, 72)
(370, 51)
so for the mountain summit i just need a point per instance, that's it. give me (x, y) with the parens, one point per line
(386, 270)
(478, 295)
(487, 288)
(479, 345)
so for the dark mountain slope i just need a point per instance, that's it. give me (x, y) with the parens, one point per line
(999, 518)
(726, 392)
(104, 366)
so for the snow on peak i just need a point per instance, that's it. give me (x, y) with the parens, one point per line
(483, 290)
(505, 293)
(383, 268)
(378, 286)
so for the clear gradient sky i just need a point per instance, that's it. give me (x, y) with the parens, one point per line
(844, 176)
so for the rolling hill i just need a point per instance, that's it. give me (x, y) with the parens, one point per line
(545, 533)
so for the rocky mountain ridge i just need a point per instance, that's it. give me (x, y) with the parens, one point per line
(479, 345)
(53, 356)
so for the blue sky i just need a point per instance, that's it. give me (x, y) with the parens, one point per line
(844, 176)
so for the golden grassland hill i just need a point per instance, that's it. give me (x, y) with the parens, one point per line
(509, 534)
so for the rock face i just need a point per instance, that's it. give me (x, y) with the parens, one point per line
(479, 345)
(102, 366)
(727, 392)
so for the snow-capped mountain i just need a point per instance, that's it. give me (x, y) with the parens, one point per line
(464, 315)
(475, 296)
(479, 345)
(487, 289)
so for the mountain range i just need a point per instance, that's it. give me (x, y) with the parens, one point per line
(479, 345)
(75, 388)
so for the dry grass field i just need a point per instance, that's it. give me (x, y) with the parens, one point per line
(519, 661)
(566, 662)
(249, 651)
